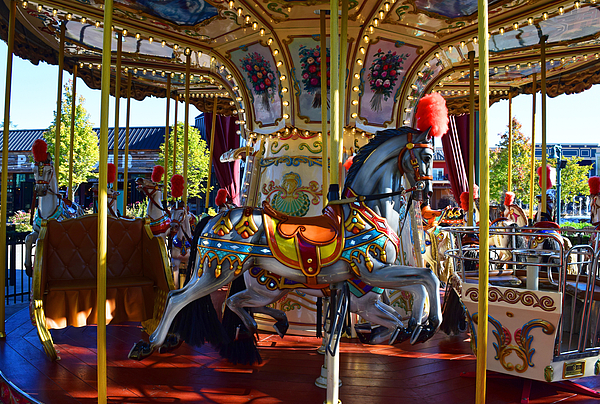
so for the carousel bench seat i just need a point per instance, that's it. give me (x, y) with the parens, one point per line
(138, 277)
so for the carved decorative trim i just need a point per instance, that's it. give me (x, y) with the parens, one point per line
(512, 296)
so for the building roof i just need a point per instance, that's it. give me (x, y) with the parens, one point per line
(140, 138)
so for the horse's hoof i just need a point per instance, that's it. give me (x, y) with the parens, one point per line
(401, 334)
(29, 270)
(140, 350)
(172, 342)
(281, 327)
(414, 338)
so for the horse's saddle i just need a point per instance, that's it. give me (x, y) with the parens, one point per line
(305, 243)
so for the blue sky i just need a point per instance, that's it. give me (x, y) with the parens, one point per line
(570, 118)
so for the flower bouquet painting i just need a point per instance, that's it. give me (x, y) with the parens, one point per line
(261, 77)
(310, 64)
(383, 75)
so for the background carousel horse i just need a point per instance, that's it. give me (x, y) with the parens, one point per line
(50, 204)
(182, 229)
(160, 222)
(594, 184)
(353, 239)
(112, 194)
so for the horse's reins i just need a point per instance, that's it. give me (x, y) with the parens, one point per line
(360, 198)
(410, 146)
(154, 188)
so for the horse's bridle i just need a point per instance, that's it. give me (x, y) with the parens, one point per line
(410, 146)
(154, 189)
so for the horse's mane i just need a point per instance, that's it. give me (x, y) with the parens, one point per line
(365, 151)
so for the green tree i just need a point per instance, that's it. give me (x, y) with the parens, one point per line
(85, 142)
(198, 164)
(521, 163)
(574, 179)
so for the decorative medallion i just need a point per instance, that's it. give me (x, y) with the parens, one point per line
(354, 223)
(223, 226)
(291, 198)
(246, 227)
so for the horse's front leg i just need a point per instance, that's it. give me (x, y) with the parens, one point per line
(30, 239)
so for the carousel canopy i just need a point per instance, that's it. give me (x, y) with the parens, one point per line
(261, 60)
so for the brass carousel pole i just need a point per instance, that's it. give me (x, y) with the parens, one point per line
(210, 152)
(470, 215)
(175, 137)
(544, 148)
(185, 122)
(510, 141)
(167, 129)
(61, 61)
(324, 136)
(532, 168)
(117, 107)
(342, 87)
(72, 138)
(102, 202)
(484, 197)
(4, 197)
(126, 156)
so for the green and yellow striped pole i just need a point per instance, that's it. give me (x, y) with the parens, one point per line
(102, 201)
(484, 198)
(4, 192)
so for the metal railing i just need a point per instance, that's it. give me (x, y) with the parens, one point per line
(18, 284)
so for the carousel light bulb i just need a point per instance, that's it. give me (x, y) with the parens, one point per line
(359, 61)
(286, 103)
(99, 66)
(162, 74)
(247, 19)
(240, 11)
(545, 16)
(366, 38)
(135, 71)
(242, 110)
(81, 65)
(238, 99)
(356, 76)
(495, 70)
(381, 14)
(414, 87)
(507, 67)
(354, 102)
(355, 89)
(407, 109)
(596, 56)
(39, 8)
(154, 72)
(406, 122)
(229, 77)
(83, 20)
(126, 69)
(427, 64)
(69, 16)
(279, 63)
(262, 32)
(254, 25)
(376, 22)
(97, 24)
(286, 116)
(530, 21)
(175, 47)
(561, 10)
(362, 50)
(284, 90)
(231, 4)
(386, 6)
(282, 77)
(420, 74)
(54, 12)
(563, 60)
(221, 68)
(269, 41)
(462, 44)
(276, 52)
(354, 115)
(163, 43)
(528, 64)
(172, 75)
(144, 72)
(138, 36)
(371, 29)
(501, 31)
(24, 4)
(516, 25)
(90, 66)
(235, 88)
(437, 55)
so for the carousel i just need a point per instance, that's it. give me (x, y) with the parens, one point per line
(341, 278)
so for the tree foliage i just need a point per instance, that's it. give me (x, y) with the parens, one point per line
(198, 159)
(573, 177)
(85, 141)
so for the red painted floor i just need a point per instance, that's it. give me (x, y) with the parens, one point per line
(427, 373)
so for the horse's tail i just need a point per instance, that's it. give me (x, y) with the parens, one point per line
(453, 312)
(241, 347)
(198, 322)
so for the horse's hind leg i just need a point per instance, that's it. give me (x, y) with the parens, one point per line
(178, 299)
(372, 308)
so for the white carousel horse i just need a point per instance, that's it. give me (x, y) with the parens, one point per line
(182, 222)
(160, 222)
(357, 239)
(112, 197)
(50, 205)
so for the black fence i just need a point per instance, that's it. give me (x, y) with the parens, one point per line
(18, 284)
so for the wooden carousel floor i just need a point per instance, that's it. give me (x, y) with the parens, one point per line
(427, 373)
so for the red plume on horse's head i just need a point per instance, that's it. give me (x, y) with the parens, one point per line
(111, 173)
(432, 113)
(594, 183)
(348, 163)
(222, 196)
(464, 200)
(157, 173)
(177, 185)
(549, 177)
(40, 151)
(509, 198)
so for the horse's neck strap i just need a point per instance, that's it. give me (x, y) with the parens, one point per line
(410, 147)
(150, 194)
